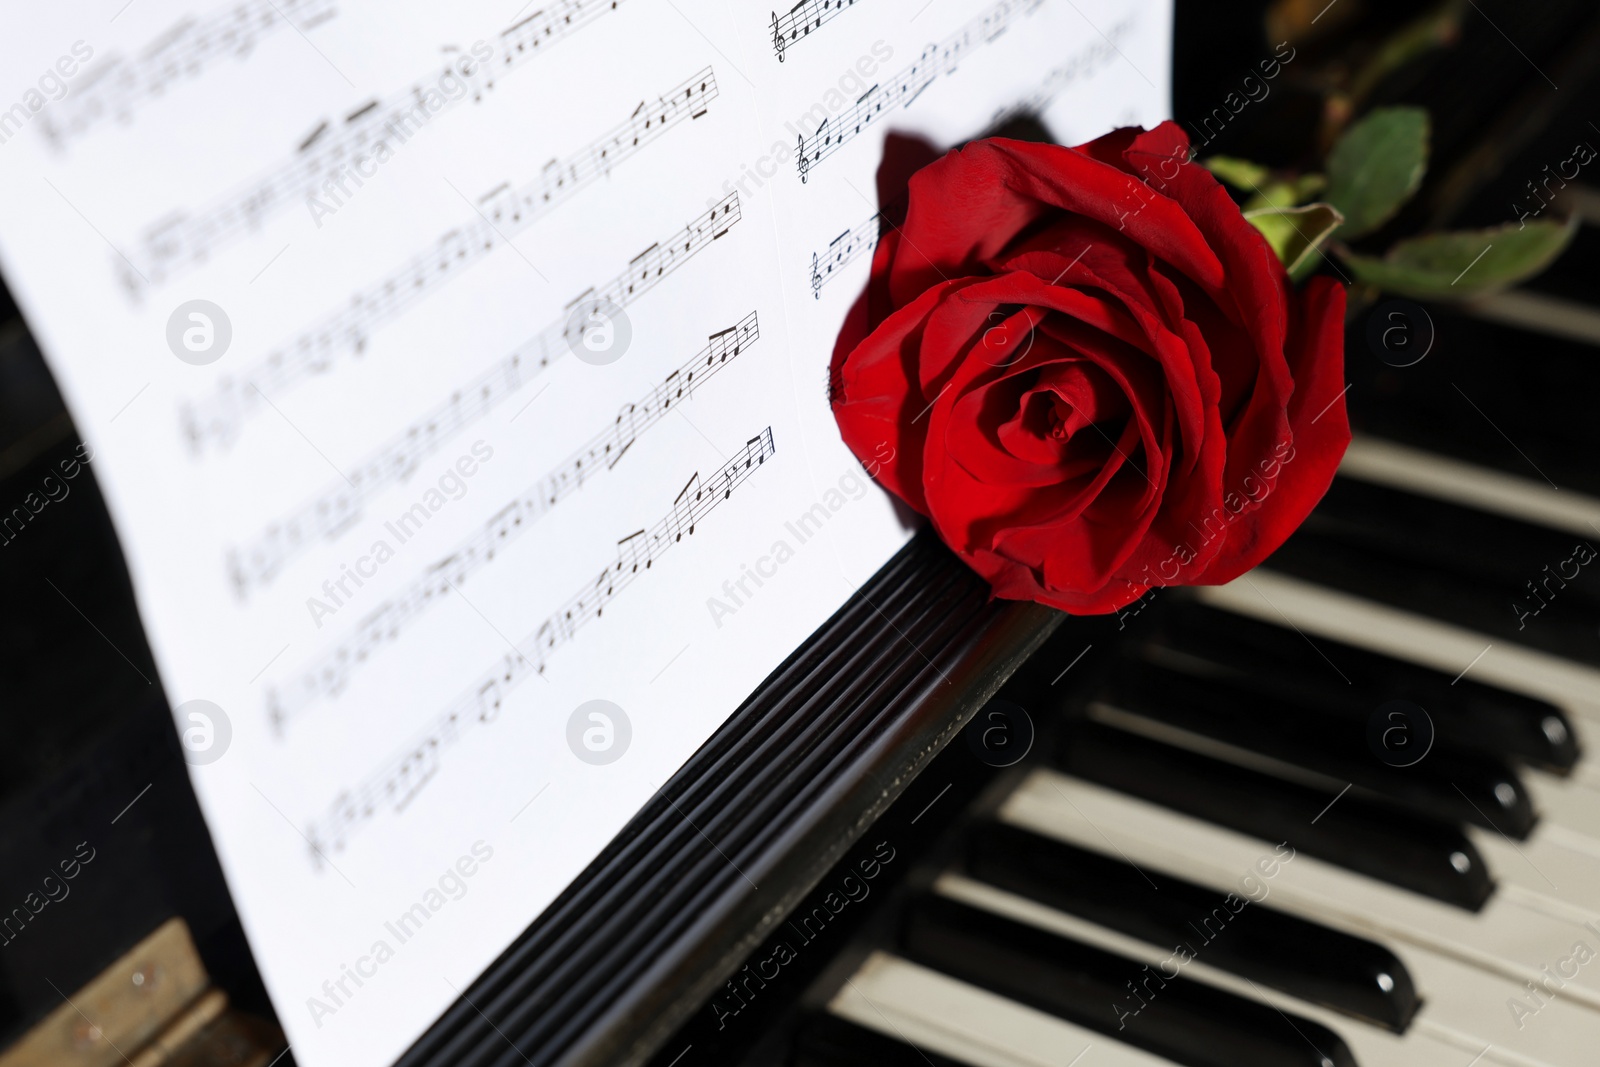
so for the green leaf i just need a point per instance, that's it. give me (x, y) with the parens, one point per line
(1377, 166)
(1286, 192)
(1462, 265)
(1239, 173)
(1295, 233)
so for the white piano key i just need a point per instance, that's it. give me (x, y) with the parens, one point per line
(1372, 1046)
(1471, 967)
(1570, 817)
(923, 1007)
(1571, 804)
(1373, 459)
(1525, 309)
(1543, 866)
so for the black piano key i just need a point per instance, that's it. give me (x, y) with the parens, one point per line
(1373, 838)
(1231, 932)
(829, 1041)
(1524, 557)
(1463, 400)
(1563, 626)
(1184, 1020)
(1449, 783)
(1277, 661)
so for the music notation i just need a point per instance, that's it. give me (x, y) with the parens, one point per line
(398, 780)
(502, 214)
(181, 241)
(339, 503)
(1082, 64)
(904, 88)
(118, 86)
(804, 17)
(328, 673)
(863, 239)
(843, 249)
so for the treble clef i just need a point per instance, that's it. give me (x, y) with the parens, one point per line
(804, 163)
(777, 37)
(816, 279)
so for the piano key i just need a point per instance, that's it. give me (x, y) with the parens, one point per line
(1568, 839)
(1470, 968)
(1184, 1020)
(1539, 312)
(1460, 401)
(1402, 848)
(1452, 783)
(1569, 810)
(1561, 859)
(1259, 943)
(1545, 608)
(1424, 1045)
(1273, 659)
(1560, 625)
(1317, 611)
(893, 996)
(1561, 864)
(1402, 525)
(1441, 643)
(1552, 866)
(1519, 496)
(832, 1041)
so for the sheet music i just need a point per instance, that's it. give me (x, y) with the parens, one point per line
(119, 85)
(800, 20)
(499, 216)
(947, 73)
(327, 676)
(457, 380)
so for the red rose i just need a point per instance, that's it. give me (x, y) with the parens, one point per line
(1092, 372)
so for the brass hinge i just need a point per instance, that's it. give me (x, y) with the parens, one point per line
(154, 1007)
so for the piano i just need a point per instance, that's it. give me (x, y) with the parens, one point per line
(1345, 810)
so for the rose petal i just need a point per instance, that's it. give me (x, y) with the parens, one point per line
(968, 206)
(878, 395)
(1296, 477)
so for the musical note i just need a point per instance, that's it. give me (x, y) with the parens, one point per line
(338, 504)
(417, 767)
(903, 90)
(390, 122)
(801, 19)
(398, 780)
(503, 212)
(326, 675)
(117, 87)
(682, 517)
(845, 248)
(489, 700)
(634, 548)
(330, 833)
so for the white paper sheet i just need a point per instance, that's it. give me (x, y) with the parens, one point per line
(448, 368)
